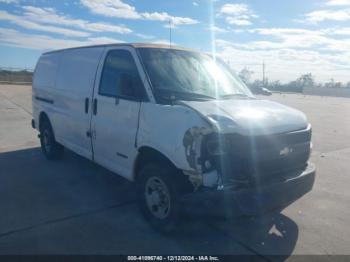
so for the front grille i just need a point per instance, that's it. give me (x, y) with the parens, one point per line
(262, 157)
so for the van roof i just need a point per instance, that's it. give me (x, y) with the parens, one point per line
(135, 45)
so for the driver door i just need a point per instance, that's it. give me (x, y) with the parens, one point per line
(116, 107)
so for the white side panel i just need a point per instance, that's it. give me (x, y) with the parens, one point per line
(43, 84)
(74, 83)
(45, 71)
(115, 132)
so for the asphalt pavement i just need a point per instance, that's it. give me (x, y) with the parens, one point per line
(74, 206)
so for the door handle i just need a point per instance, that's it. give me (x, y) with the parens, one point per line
(86, 105)
(95, 107)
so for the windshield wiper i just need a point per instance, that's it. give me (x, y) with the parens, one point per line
(178, 95)
(237, 95)
(195, 95)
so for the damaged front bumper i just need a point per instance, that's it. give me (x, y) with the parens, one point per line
(253, 200)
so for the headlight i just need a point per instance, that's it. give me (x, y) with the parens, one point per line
(217, 146)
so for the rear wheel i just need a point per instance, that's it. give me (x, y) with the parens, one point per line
(51, 149)
(158, 196)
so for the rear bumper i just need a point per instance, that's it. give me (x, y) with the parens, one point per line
(252, 201)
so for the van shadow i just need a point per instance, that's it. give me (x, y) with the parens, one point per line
(271, 234)
(35, 190)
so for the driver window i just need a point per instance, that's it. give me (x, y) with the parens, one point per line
(118, 64)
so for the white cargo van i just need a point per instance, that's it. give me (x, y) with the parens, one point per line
(177, 122)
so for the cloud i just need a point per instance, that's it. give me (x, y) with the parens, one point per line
(116, 8)
(49, 16)
(298, 38)
(340, 31)
(20, 21)
(285, 63)
(42, 42)
(217, 29)
(9, 1)
(165, 17)
(293, 37)
(237, 14)
(290, 52)
(194, 3)
(335, 10)
(338, 3)
(164, 42)
(144, 36)
(331, 15)
(161, 42)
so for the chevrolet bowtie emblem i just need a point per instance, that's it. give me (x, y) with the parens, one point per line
(286, 151)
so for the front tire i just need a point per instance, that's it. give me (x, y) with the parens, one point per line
(158, 197)
(50, 148)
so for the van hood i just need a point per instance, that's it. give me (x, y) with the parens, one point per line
(253, 117)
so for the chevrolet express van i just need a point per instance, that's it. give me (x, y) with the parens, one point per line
(179, 123)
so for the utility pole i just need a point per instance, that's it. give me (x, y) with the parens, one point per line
(263, 68)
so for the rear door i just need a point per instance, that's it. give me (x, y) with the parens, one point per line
(73, 95)
(116, 109)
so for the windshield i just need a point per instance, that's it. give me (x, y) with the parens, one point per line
(189, 75)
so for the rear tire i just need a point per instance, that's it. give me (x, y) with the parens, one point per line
(158, 196)
(50, 148)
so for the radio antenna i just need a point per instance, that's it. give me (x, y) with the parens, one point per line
(170, 25)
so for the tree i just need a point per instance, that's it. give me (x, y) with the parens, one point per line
(246, 75)
(257, 84)
(275, 85)
(332, 84)
(306, 80)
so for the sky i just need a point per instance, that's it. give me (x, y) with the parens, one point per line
(292, 37)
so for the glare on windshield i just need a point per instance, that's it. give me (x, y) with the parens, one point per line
(178, 71)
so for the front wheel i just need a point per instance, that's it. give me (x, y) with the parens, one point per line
(158, 196)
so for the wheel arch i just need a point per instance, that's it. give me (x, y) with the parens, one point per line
(42, 118)
(148, 154)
